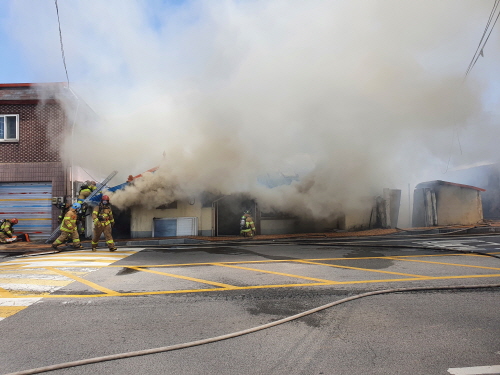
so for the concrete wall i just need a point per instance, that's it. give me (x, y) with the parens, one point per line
(205, 225)
(458, 205)
(424, 208)
(277, 226)
(446, 205)
(372, 212)
(141, 224)
(359, 219)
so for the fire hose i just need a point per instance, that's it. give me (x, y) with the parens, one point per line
(238, 333)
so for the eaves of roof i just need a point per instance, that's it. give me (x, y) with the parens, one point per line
(29, 93)
(440, 182)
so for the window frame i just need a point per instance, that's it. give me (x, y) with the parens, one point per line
(4, 140)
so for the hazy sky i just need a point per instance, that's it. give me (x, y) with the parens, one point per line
(353, 96)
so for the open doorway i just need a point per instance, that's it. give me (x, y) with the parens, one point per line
(228, 212)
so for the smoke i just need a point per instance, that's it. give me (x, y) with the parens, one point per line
(351, 96)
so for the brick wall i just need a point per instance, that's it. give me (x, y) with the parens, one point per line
(35, 158)
(41, 129)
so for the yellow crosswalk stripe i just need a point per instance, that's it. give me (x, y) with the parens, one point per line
(6, 311)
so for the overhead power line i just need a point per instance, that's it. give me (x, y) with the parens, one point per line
(480, 48)
(61, 41)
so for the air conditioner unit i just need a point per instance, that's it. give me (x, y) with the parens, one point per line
(57, 200)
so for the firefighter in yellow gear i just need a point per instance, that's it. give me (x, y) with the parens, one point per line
(64, 207)
(247, 226)
(102, 215)
(85, 190)
(6, 229)
(69, 228)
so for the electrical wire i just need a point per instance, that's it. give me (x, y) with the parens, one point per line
(88, 174)
(479, 48)
(484, 33)
(61, 42)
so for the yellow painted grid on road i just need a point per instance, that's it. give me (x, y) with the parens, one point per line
(26, 280)
(105, 292)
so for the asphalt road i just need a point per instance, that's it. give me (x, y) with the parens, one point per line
(78, 305)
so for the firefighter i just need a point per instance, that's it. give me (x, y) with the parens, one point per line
(85, 190)
(80, 220)
(103, 222)
(6, 229)
(64, 207)
(247, 226)
(69, 228)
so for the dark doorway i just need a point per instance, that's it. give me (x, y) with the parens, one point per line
(228, 214)
(121, 229)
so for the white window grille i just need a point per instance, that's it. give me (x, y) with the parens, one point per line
(9, 128)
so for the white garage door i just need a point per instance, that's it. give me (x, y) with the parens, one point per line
(31, 204)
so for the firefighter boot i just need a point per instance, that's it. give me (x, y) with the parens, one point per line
(94, 248)
(113, 248)
(79, 246)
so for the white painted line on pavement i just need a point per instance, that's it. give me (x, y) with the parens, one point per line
(67, 264)
(30, 287)
(478, 370)
(18, 301)
(32, 276)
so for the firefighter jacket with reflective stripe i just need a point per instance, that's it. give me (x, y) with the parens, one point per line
(103, 214)
(6, 227)
(249, 224)
(69, 222)
(84, 193)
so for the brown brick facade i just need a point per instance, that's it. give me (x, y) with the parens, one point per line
(42, 126)
(41, 129)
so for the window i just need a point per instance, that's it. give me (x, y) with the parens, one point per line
(167, 206)
(9, 128)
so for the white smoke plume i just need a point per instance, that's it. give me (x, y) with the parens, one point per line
(351, 96)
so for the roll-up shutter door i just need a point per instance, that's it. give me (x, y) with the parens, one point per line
(31, 204)
(187, 226)
(164, 227)
(172, 227)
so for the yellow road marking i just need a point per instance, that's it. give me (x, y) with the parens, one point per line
(252, 287)
(9, 267)
(4, 293)
(90, 255)
(276, 273)
(6, 311)
(225, 286)
(286, 260)
(320, 282)
(357, 268)
(445, 264)
(83, 281)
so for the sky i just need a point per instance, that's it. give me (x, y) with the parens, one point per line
(351, 96)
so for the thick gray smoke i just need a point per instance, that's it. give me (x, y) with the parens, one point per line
(351, 96)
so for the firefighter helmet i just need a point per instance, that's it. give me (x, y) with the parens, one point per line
(14, 221)
(76, 206)
(105, 198)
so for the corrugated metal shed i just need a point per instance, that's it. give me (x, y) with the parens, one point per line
(31, 204)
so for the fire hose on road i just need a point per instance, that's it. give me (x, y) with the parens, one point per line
(240, 333)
